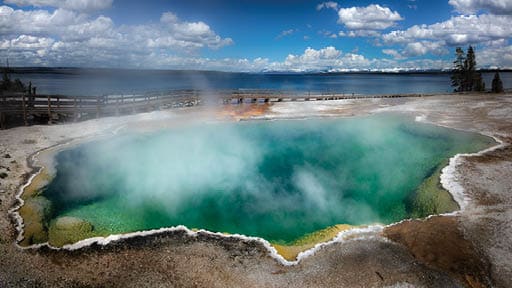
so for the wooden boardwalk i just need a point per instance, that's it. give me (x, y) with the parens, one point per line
(28, 107)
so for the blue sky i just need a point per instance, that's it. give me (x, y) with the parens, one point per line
(254, 35)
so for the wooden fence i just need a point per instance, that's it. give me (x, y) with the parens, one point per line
(28, 106)
(59, 107)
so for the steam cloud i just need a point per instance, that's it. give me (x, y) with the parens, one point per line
(297, 175)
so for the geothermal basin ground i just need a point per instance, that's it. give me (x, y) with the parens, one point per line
(466, 248)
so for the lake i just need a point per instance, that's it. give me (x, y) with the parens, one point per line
(94, 82)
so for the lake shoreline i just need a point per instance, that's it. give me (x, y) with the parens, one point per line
(343, 108)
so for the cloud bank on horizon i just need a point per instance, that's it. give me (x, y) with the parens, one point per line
(328, 36)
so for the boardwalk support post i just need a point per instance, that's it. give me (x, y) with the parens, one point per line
(97, 106)
(24, 110)
(2, 120)
(49, 110)
(117, 106)
(2, 114)
(75, 113)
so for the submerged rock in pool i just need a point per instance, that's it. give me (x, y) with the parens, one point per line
(67, 230)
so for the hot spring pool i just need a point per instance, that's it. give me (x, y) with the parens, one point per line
(278, 180)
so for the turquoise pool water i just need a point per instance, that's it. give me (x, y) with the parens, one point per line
(273, 179)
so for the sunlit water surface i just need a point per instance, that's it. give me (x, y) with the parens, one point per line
(275, 179)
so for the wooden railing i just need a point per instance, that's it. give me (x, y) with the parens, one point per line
(53, 107)
(58, 107)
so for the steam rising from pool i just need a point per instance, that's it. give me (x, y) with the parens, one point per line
(278, 180)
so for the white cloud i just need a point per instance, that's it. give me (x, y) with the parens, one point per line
(26, 49)
(327, 5)
(79, 39)
(99, 27)
(331, 59)
(498, 7)
(312, 55)
(362, 33)
(76, 5)
(285, 33)
(496, 43)
(25, 42)
(16, 22)
(35, 48)
(198, 34)
(327, 58)
(352, 60)
(424, 47)
(328, 34)
(372, 17)
(415, 49)
(393, 53)
(362, 21)
(500, 57)
(311, 58)
(458, 30)
(73, 37)
(169, 18)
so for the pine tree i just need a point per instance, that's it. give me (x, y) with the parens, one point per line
(458, 70)
(469, 69)
(6, 80)
(497, 84)
(9, 85)
(464, 74)
(473, 78)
